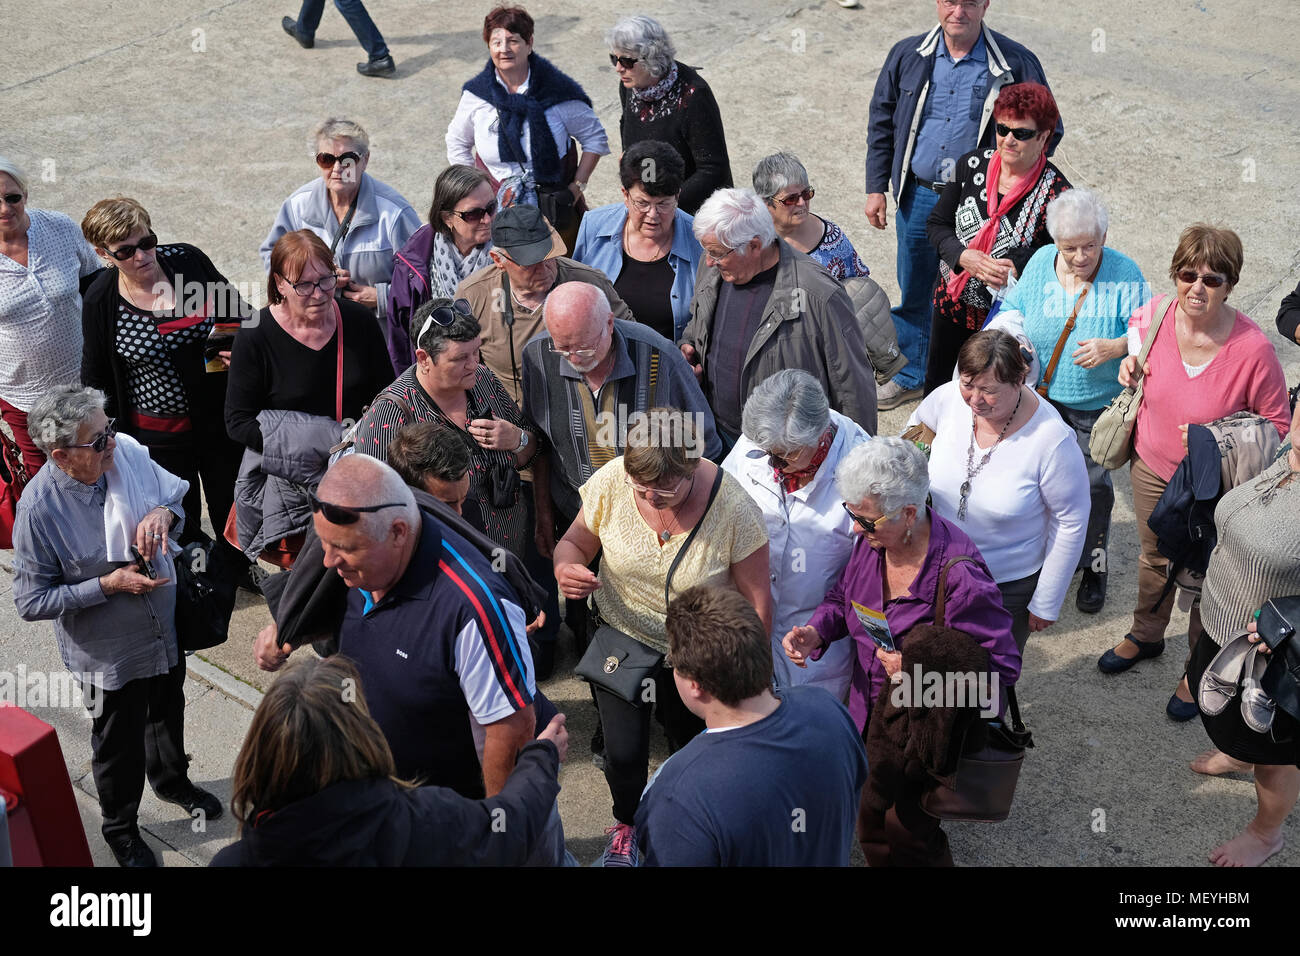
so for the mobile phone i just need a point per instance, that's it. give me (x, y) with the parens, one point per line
(143, 566)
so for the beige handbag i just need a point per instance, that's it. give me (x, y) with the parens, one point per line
(1111, 443)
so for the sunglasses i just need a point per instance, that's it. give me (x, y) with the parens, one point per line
(476, 215)
(101, 440)
(868, 526)
(344, 514)
(793, 200)
(444, 315)
(122, 253)
(325, 283)
(327, 160)
(626, 62)
(1019, 132)
(12, 199)
(1210, 279)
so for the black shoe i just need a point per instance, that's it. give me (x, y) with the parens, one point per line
(1092, 592)
(192, 798)
(290, 26)
(383, 66)
(131, 850)
(1112, 663)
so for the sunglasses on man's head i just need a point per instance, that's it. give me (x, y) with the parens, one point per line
(473, 216)
(1018, 132)
(101, 440)
(344, 514)
(626, 62)
(12, 199)
(1211, 280)
(793, 198)
(444, 315)
(122, 253)
(327, 160)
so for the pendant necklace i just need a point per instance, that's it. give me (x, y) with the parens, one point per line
(971, 468)
(665, 535)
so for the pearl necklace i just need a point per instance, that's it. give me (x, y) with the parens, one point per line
(971, 468)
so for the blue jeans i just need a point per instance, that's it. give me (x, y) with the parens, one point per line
(917, 267)
(354, 11)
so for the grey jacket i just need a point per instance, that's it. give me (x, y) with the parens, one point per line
(271, 493)
(871, 306)
(808, 323)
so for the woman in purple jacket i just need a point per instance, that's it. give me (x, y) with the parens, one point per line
(888, 587)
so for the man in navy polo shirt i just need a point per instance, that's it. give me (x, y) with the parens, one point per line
(436, 633)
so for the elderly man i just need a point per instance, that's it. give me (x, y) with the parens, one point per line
(760, 306)
(507, 296)
(93, 552)
(933, 103)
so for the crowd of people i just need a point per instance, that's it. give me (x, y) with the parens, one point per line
(655, 423)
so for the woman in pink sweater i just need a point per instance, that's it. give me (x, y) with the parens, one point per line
(1208, 361)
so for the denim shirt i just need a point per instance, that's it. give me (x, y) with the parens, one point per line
(59, 555)
(600, 245)
(950, 120)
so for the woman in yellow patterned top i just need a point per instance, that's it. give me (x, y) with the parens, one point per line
(638, 511)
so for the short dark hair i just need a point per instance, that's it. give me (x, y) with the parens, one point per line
(994, 349)
(454, 184)
(463, 328)
(1032, 100)
(513, 19)
(1212, 246)
(654, 166)
(428, 450)
(716, 638)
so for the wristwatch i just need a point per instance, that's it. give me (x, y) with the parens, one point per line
(582, 187)
(523, 440)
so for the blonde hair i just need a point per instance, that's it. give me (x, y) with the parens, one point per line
(112, 220)
(334, 128)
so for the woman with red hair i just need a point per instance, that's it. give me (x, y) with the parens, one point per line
(986, 237)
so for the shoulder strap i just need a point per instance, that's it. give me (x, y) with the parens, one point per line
(1069, 327)
(713, 493)
(346, 223)
(338, 369)
(1157, 316)
(941, 595)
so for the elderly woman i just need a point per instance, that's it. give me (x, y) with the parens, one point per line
(889, 586)
(1025, 505)
(147, 320)
(985, 237)
(786, 459)
(638, 512)
(1252, 563)
(645, 244)
(1072, 302)
(363, 220)
(440, 256)
(93, 552)
(782, 181)
(40, 304)
(449, 386)
(518, 116)
(1208, 360)
(666, 100)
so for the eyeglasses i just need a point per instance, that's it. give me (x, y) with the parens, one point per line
(574, 353)
(868, 526)
(101, 440)
(325, 283)
(344, 514)
(793, 200)
(714, 259)
(122, 253)
(663, 206)
(12, 199)
(327, 160)
(1018, 132)
(476, 215)
(660, 492)
(1211, 280)
(444, 315)
(626, 62)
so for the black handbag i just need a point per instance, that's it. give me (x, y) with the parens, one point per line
(618, 662)
(205, 596)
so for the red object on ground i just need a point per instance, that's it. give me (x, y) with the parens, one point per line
(44, 823)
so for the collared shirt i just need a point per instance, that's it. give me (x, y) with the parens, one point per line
(584, 430)
(950, 119)
(60, 552)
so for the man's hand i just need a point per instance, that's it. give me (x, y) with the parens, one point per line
(151, 532)
(127, 580)
(267, 650)
(1037, 623)
(536, 624)
(693, 360)
(875, 210)
(576, 581)
(800, 642)
(556, 734)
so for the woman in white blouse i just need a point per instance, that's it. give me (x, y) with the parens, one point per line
(501, 109)
(42, 260)
(1024, 505)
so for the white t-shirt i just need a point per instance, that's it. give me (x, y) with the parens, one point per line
(1028, 508)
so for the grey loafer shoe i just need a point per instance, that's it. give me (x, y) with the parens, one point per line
(1221, 680)
(1257, 708)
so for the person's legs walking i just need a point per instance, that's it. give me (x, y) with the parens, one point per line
(917, 266)
(1148, 625)
(164, 733)
(1276, 787)
(368, 35)
(118, 756)
(309, 17)
(627, 765)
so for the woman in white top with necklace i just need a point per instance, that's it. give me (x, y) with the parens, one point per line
(1007, 470)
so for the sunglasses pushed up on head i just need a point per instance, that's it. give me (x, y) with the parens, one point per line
(344, 514)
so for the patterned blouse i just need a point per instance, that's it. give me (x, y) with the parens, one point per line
(634, 565)
(837, 254)
(405, 402)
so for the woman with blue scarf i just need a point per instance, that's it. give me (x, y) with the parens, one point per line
(503, 112)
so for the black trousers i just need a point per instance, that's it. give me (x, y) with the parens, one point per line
(946, 340)
(139, 732)
(627, 737)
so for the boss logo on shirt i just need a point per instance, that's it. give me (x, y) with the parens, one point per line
(402, 654)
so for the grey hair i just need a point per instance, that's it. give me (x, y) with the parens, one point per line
(733, 217)
(787, 411)
(645, 37)
(773, 173)
(1076, 213)
(59, 414)
(18, 176)
(334, 128)
(891, 470)
(383, 485)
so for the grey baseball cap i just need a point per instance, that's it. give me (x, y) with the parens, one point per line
(524, 233)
